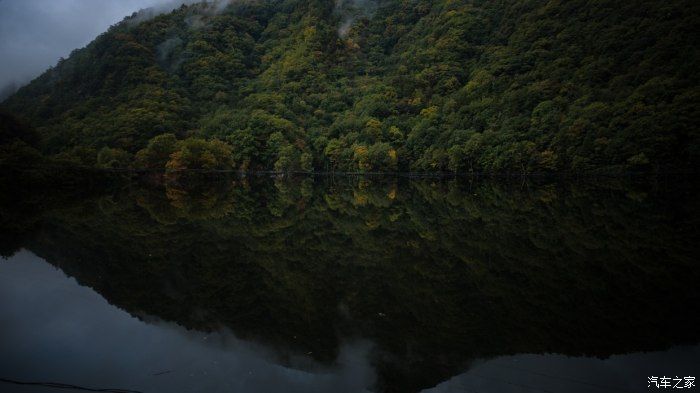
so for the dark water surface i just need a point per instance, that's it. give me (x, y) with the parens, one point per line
(351, 285)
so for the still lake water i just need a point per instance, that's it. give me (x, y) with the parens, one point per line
(351, 285)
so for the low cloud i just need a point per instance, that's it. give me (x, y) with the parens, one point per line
(35, 34)
(213, 7)
(350, 11)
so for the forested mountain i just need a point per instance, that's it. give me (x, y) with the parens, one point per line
(582, 86)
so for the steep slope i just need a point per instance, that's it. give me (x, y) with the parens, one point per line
(460, 85)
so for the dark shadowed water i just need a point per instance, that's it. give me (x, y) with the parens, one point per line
(351, 285)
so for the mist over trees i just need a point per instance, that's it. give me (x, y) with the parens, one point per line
(382, 86)
(8, 90)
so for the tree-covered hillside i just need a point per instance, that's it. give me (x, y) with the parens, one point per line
(583, 86)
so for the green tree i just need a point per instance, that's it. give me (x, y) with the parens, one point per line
(200, 154)
(109, 158)
(157, 154)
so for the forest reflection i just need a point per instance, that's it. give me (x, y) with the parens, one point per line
(435, 272)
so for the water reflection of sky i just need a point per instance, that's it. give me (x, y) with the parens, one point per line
(52, 329)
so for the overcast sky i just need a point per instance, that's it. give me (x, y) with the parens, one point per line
(34, 34)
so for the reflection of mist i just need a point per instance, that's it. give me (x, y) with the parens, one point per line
(557, 373)
(53, 329)
(436, 272)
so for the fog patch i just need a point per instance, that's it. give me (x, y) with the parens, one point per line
(195, 22)
(352, 10)
(208, 7)
(8, 90)
(166, 48)
(168, 53)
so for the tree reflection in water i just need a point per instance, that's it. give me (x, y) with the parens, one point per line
(435, 272)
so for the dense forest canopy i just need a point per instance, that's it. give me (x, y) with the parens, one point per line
(521, 86)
